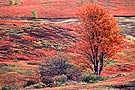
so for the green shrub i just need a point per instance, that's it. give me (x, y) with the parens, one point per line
(91, 78)
(34, 14)
(60, 80)
(11, 2)
(39, 85)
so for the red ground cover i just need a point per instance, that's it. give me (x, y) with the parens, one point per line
(61, 8)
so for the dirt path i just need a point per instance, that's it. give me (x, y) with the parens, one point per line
(98, 86)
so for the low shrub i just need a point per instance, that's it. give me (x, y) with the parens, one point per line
(60, 69)
(48, 81)
(74, 74)
(39, 85)
(11, 2)
(29, 82)
(34, 13)
(10, 87)
(14, 2)
(60, 80)
(91, 78)
(53, 67)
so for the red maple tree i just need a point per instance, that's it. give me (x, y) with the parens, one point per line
(100, 36)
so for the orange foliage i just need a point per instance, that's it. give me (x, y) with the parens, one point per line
(100, 35)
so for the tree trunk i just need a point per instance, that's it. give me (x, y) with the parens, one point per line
(101, 62)
(98, 65)
(96, 70)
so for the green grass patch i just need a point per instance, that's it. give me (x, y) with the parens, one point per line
(5, 87)
(112, 62)
(91, 78)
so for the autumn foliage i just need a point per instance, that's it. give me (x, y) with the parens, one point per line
(100, 36)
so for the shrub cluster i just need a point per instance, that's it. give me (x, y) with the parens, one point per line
(57, 71)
